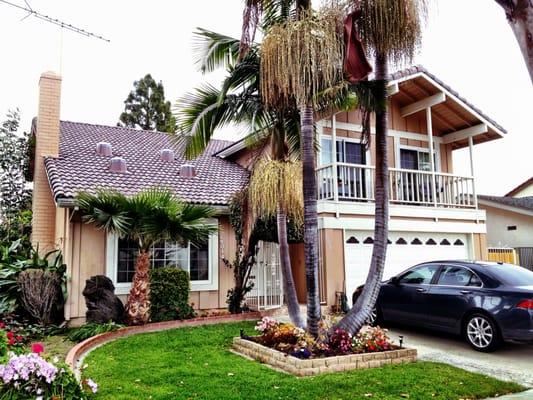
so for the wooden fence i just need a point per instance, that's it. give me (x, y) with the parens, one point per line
(506, 255)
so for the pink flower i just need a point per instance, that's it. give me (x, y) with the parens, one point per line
(37, 348)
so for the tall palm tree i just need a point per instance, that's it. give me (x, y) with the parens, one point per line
(148, 217)
(238, 101)
(391, 30)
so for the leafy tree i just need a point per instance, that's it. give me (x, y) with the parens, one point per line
(15, 197)
(147, 217)
(519, 14)
(146, 107)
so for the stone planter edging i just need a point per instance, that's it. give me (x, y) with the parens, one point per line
(76, 354)
(315, 366)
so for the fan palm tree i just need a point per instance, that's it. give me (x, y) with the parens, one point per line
(391, 30)
(148, 217)
(238, 101)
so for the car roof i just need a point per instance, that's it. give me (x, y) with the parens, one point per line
(474, 264)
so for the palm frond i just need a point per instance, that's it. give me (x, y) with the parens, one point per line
(213, 50)
(106, 210)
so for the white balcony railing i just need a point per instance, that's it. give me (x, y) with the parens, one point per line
(411, 187)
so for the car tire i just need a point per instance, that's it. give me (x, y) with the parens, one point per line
(482, 333)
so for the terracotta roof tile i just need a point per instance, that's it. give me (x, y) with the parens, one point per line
(79, 168)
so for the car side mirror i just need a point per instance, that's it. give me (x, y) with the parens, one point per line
(395, 280)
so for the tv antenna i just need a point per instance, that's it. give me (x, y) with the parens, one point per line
(54, 21)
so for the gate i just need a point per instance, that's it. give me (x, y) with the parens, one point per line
(267, 291)
(525, 254)
(505, 255)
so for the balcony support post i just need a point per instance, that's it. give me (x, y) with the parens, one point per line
(334, 158)
(470, 149)
(431, 155)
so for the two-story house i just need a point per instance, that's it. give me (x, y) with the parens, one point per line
(433, 212)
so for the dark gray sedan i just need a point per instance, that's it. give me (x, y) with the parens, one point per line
(487, 303)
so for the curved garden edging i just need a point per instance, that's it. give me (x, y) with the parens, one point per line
(76, 355)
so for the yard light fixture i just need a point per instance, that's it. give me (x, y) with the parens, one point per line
(401, 341)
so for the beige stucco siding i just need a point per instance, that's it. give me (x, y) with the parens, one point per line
(84, 252)
(497, 234)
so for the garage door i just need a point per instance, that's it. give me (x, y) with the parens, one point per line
(404, 251)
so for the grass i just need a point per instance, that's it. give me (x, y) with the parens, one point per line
(194, 363)
(56, 346)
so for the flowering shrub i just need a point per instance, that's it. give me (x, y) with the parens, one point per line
(266, 324)
(10, 342)
(31, 376)
(340, 342)
(372, 340)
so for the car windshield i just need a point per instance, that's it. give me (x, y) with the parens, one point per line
(513, 275)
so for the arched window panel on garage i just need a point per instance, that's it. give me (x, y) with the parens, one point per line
(416, 241)
(431, 242)
(368, 240)
(389, 241)
(444, 242)
(352, 240)
(401, 241)
(458, 242)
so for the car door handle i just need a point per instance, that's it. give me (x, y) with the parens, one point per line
(420, 290)
(466, 291)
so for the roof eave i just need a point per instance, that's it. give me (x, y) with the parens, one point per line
(506, 207)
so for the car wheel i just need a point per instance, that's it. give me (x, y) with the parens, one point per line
(482, 333)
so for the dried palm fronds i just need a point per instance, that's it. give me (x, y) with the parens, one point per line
(302, 58)
(276, 183)
(392, 27)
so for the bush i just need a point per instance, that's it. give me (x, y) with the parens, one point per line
(89, 330)
(169, 294)
(39, 292)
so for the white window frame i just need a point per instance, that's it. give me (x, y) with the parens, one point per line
(196, 286)
(339, 139)
(400, 147)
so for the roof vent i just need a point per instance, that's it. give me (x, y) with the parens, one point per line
(187, 171)
(167, 155)
(104, 149)
(118, 164)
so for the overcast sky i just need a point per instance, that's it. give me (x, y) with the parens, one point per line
(468, 44)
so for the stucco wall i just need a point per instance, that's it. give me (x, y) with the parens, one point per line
(527, 191)
(84, 249)
(497, 234)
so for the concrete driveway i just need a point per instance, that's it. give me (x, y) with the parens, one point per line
(512, 362)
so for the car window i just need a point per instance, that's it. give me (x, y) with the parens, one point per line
(512, 275)
(458, 276)
(420, 275)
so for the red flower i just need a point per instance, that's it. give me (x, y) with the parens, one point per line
(37, 348)
(19, 338)
(11, 342)
(10, 335)
(2, 325)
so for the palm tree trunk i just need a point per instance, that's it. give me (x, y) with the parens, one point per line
(289, 288)
(520, 17)
(310, 219)
(356, 317)
(138, 304)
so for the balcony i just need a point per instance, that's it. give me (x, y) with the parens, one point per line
(355, 183)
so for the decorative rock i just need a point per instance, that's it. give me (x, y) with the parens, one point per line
(102, 304)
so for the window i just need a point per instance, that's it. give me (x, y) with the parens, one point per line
(458, 276)
(325, 151)
(201, 262)
(416, 160)
(347, 151)
(420, 275)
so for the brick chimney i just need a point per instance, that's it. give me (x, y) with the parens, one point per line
(47, 144)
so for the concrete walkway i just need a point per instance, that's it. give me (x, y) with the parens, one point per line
(528, 395)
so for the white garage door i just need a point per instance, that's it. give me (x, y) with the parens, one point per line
(405, 249)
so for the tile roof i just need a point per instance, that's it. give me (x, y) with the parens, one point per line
(420, 69)
(520, 202)
(79, 168)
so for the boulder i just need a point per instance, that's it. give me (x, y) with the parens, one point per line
(102, 304)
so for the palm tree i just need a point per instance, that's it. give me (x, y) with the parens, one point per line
(148, 217)
(238, 101)
(391, 30)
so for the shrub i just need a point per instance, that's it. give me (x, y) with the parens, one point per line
(340, 341)
(371, 340)
(31, 376)
(169, 294)
(3, 347)
(39, 292)
(89, 330)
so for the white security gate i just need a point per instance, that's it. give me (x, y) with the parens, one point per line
(405, 250)
(267, 291)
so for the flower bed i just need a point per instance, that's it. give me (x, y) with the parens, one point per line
(291, 349)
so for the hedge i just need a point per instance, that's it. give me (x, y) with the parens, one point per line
(169, 294)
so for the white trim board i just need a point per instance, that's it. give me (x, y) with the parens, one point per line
(401, 225)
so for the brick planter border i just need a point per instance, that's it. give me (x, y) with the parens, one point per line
(76, 354)
(298, 367)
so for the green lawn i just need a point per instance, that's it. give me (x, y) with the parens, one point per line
(194, 363)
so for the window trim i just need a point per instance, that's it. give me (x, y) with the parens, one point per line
(401, 147)
(368, 153)
(458, 286)
(196, 286)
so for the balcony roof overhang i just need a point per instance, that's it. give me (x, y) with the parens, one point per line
(454, 119)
